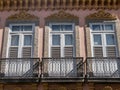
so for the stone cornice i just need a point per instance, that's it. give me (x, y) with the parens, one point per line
(101, 15)
(22, 16)
(58, 4)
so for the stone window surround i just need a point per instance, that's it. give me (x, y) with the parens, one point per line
(88, 39)
(61, 17)
(99, 17)
(21, 18)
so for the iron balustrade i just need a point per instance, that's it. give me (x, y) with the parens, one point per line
(93, 68)
(62, 67)
(19, 67)
(103, 67)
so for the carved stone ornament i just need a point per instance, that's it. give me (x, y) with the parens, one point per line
(22, 16)
(101, 15)
(61, 15)
(107, 88)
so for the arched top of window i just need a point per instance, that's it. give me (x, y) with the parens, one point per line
(62, 16)
(22, 16)
(101, 15)
(107, 88)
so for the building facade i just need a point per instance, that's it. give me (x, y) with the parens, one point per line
(59, 44)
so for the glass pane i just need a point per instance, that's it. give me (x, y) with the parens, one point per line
(55, 27)
(55, 39)
(27, 39)
(67, 27)
(96, 27)
(109, 27)
(110, 39)
(97, 39)
(68, 40)
(28, 28)
(14, 40)
(15, 28)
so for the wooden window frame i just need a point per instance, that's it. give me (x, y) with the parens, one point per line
(62, 36)
(21, 37)
(103, 34)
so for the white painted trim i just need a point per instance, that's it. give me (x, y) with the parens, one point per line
(62, 37)
(103, 36)
(21, 37)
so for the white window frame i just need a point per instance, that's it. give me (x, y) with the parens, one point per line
(21, 37)
(57, 64)
(62, 36)
(103, 34)
(18, 68)
(100, 65)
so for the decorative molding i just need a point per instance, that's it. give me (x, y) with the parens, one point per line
(1, 87)
(57, 4)
(100, 15)
(22, 16)
(61, 15)
(17, 88)
(107, 88)
(91, 86)
(62, 88)
(45, 86)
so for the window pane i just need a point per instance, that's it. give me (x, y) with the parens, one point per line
(28, 28)
(96, 27)
(68, 40)
(67, 27)
(27, 39)
(15, 28)
(110, 39)
(109, 27)
(55, 27)
(97, 39)
(55, 39)
(14, 40)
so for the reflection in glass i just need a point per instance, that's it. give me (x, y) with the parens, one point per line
(68, 40)
(28, 28)
(55, 39)
(67, 27)
(14, 40)
(97, 39)
(55, 27)
(108, 27)
(15, 28)
(27, 39)
(110, 39)
(96, 27)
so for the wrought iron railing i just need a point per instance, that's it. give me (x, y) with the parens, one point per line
(103, 67)
(92, 68)
(19, 67)
(62, 67)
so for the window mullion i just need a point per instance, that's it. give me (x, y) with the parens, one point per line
(104, 45)
(62, 44)
(20, 45)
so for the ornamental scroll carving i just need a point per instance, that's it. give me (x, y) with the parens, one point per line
(61, 15)
(101, 15)
(22, 16)
(107, 88)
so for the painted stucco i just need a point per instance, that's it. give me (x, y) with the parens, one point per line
(45, 13)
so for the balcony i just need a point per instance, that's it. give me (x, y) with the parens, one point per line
(103, 68)
(17, 69)
(96, 69)
(62, 69)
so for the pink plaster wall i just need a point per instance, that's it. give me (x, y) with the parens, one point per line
(1, 36)
(43, 14)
